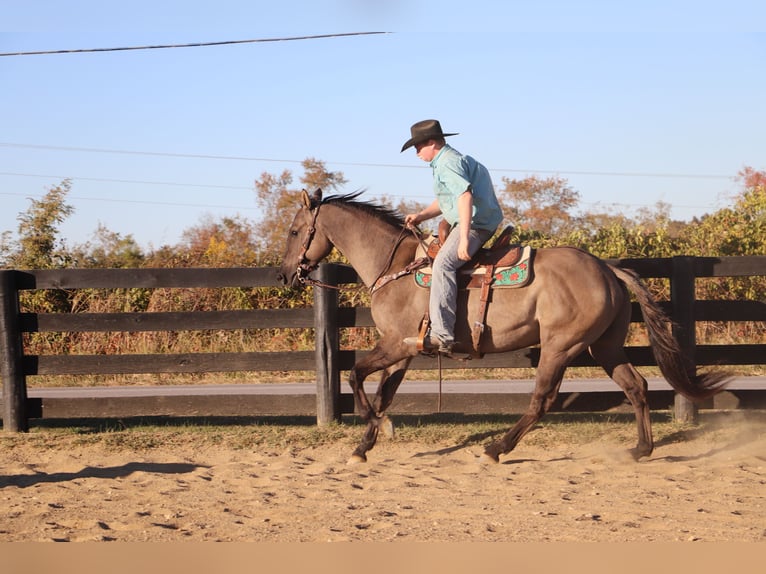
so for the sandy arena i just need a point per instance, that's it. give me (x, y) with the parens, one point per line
(707, 486)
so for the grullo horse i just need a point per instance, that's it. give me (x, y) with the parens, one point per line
(575, 303)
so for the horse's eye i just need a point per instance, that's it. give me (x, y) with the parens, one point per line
(293, 233)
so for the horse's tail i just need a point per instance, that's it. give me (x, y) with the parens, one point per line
(677, 369)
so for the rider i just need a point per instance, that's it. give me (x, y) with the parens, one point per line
(466, 198)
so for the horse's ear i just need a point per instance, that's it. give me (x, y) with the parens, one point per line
(311, 201)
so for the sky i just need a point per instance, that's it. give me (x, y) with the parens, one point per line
(631, 103)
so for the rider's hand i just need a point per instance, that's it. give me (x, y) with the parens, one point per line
(462, 250)
(410, 220)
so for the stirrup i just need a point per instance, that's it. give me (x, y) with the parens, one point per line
(429, 346)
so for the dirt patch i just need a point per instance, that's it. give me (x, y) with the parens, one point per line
(707, 485)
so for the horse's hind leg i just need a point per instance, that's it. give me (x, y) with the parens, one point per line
(550, 372)
(616, 364)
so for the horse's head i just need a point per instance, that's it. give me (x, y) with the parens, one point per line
(306, 247)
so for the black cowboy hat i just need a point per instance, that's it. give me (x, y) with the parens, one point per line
(424, 131)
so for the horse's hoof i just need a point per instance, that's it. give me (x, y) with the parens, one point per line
(640, 453)
(356, 459)
(387, 427)
(488, 459)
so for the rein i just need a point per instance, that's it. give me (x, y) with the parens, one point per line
(304, 268)
(381, 279)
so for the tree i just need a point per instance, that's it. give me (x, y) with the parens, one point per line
(109, 249)
(39, 246)
(228, 242)
(7, 249)
(279, 201)
(540, 204)
(736, 230)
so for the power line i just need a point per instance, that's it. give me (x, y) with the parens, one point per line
(141, 182)
(362, 164)
(149, 153)
(614, 205)
(192, 45)
(242, 188)
(142, 201)
(138, 181)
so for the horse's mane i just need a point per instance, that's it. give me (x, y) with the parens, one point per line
(350, 201)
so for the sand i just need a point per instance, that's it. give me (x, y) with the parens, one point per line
(711, 486)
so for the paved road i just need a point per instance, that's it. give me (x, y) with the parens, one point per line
(448, 386)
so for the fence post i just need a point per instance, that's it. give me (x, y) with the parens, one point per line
(15, 416)
(682, 297)
(327, 346)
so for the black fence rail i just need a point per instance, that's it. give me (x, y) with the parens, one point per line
(326, 318)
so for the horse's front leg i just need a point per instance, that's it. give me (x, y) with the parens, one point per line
(390, 380)
(376, 419)
(365, 411)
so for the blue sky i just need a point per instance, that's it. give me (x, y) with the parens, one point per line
(632, 103)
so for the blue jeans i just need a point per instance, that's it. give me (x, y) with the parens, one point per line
(443, 298)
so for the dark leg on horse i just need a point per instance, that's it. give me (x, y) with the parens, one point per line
(365, 411)
(369, 438)
(608, 352)
(616, 364)
(361, 402)
(375, 417)
(390, 380)
(550, 372)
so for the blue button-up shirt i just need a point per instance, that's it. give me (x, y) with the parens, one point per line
(454, 174)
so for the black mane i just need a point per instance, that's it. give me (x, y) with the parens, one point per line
(349, 200)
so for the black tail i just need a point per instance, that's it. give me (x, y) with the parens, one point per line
(677, 369)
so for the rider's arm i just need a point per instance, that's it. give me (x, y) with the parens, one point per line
(465, 212)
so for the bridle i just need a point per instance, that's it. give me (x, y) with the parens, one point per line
(305, 268)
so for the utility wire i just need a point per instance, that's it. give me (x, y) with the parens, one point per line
(386, 165)
(192, 45)
(142, 201)
(415, 196)
(132, 181)
(252, 208)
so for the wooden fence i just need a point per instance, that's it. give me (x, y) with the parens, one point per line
(326, 318)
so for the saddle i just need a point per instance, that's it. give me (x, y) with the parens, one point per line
(502, 265)
(507, 265)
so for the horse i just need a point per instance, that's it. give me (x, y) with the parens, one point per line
(575, 302)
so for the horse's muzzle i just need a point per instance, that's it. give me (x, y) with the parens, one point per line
(288, 279)
(293, 280)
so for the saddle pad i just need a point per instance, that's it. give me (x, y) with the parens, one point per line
(516, 275)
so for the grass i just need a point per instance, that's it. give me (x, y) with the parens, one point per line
(280, 433)
(245, 378)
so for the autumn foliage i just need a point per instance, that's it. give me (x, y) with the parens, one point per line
(543, 210)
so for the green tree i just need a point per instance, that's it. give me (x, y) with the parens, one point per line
(736, 230)
(39, 245)
(109, 249)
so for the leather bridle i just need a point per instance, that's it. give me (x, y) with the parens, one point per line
(305, 268)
